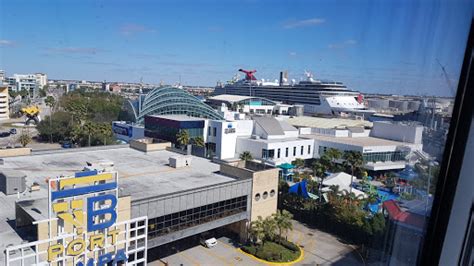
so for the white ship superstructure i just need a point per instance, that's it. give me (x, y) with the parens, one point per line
(317, 96)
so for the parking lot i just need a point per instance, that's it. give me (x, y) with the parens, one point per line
(319, 249)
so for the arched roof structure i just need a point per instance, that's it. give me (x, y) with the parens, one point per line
(171, 101)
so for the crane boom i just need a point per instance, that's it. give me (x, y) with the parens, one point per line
(446, 77)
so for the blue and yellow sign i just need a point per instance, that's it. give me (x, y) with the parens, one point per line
(86, 202)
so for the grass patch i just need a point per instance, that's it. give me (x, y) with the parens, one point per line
(274, 252)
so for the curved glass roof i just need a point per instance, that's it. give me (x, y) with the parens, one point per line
(174, 101)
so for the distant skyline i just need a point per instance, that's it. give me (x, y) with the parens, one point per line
(389, 47)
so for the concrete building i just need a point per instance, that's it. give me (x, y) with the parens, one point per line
(41, 79)
(384, 147)
(4, 102)
(179, 202)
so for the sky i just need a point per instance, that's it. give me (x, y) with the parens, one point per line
(379, 46)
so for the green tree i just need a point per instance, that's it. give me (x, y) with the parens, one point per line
(199, 141)
(182, 137)
(319, 170)
(354, 160)
(257, 230)
(298, 163)
(269, 228)
(283, 223)
(333, 155)
(24, 138)
(50, 102)
(90, 129)
(246, 156)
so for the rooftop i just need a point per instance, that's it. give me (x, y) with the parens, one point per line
(356, 141)
(233, 98)
(320, 122)
(141, 175)
(179, 117)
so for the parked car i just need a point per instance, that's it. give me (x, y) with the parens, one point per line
(13, 131)
(4, 134)
(66, 144)
(208, 243)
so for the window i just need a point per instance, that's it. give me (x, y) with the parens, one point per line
(272, 193)
(278, 153)
(215, 131)
(257, 196)
(265, 195)
(209, 131)
(294, 151)
(286, 152)
(302, 150)
(309, 149)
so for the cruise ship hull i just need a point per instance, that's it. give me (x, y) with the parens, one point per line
(330, 99)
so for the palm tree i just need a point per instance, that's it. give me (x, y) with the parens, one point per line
(90, 129)
(333, 155)
(354, 159)
(298, 163)
(283, 222)
(257, 231)
(246, 156)
(199, 141)
(319, 170)
(50, 102)
(182, 137)
(269, 228)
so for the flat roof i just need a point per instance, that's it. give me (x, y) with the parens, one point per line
(141, 175)
(235, 98)
(320, 122)
(179, 117)
(357, 141)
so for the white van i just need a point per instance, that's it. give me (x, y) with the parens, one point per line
(209, 243)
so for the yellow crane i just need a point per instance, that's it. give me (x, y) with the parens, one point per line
(31, 113)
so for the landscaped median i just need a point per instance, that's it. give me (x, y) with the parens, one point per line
(282, 252)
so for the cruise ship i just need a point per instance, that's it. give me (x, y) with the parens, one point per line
(322, 97)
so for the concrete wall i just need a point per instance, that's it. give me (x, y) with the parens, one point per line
(147, 145)
(264, 183)
(14, 152)
(176, 202)
(398, 132)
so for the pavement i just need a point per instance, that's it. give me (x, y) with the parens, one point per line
(319, 249)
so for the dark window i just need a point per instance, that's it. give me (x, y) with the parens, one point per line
(278, 153)
(309, 149)
(302, 150)
(286, 152)
(294, 151)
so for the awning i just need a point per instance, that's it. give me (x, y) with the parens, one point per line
(286, 166)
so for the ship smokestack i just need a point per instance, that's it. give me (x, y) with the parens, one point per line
(283, 77)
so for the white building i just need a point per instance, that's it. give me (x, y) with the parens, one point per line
(4, 104)
(379, 146)
(29, 82)
(266, 138)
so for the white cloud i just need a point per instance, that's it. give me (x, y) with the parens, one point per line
(303, 23)
(131, 29)
(7, 43)
(292, 53)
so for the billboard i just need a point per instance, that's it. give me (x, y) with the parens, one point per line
(86, 226)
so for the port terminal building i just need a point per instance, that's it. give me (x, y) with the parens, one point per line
(180, 195)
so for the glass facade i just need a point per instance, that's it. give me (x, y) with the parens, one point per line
(384, 156)
(192, 217)
(174, 101)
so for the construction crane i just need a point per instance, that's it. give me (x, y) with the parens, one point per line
(31, 113)
(446, 77)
